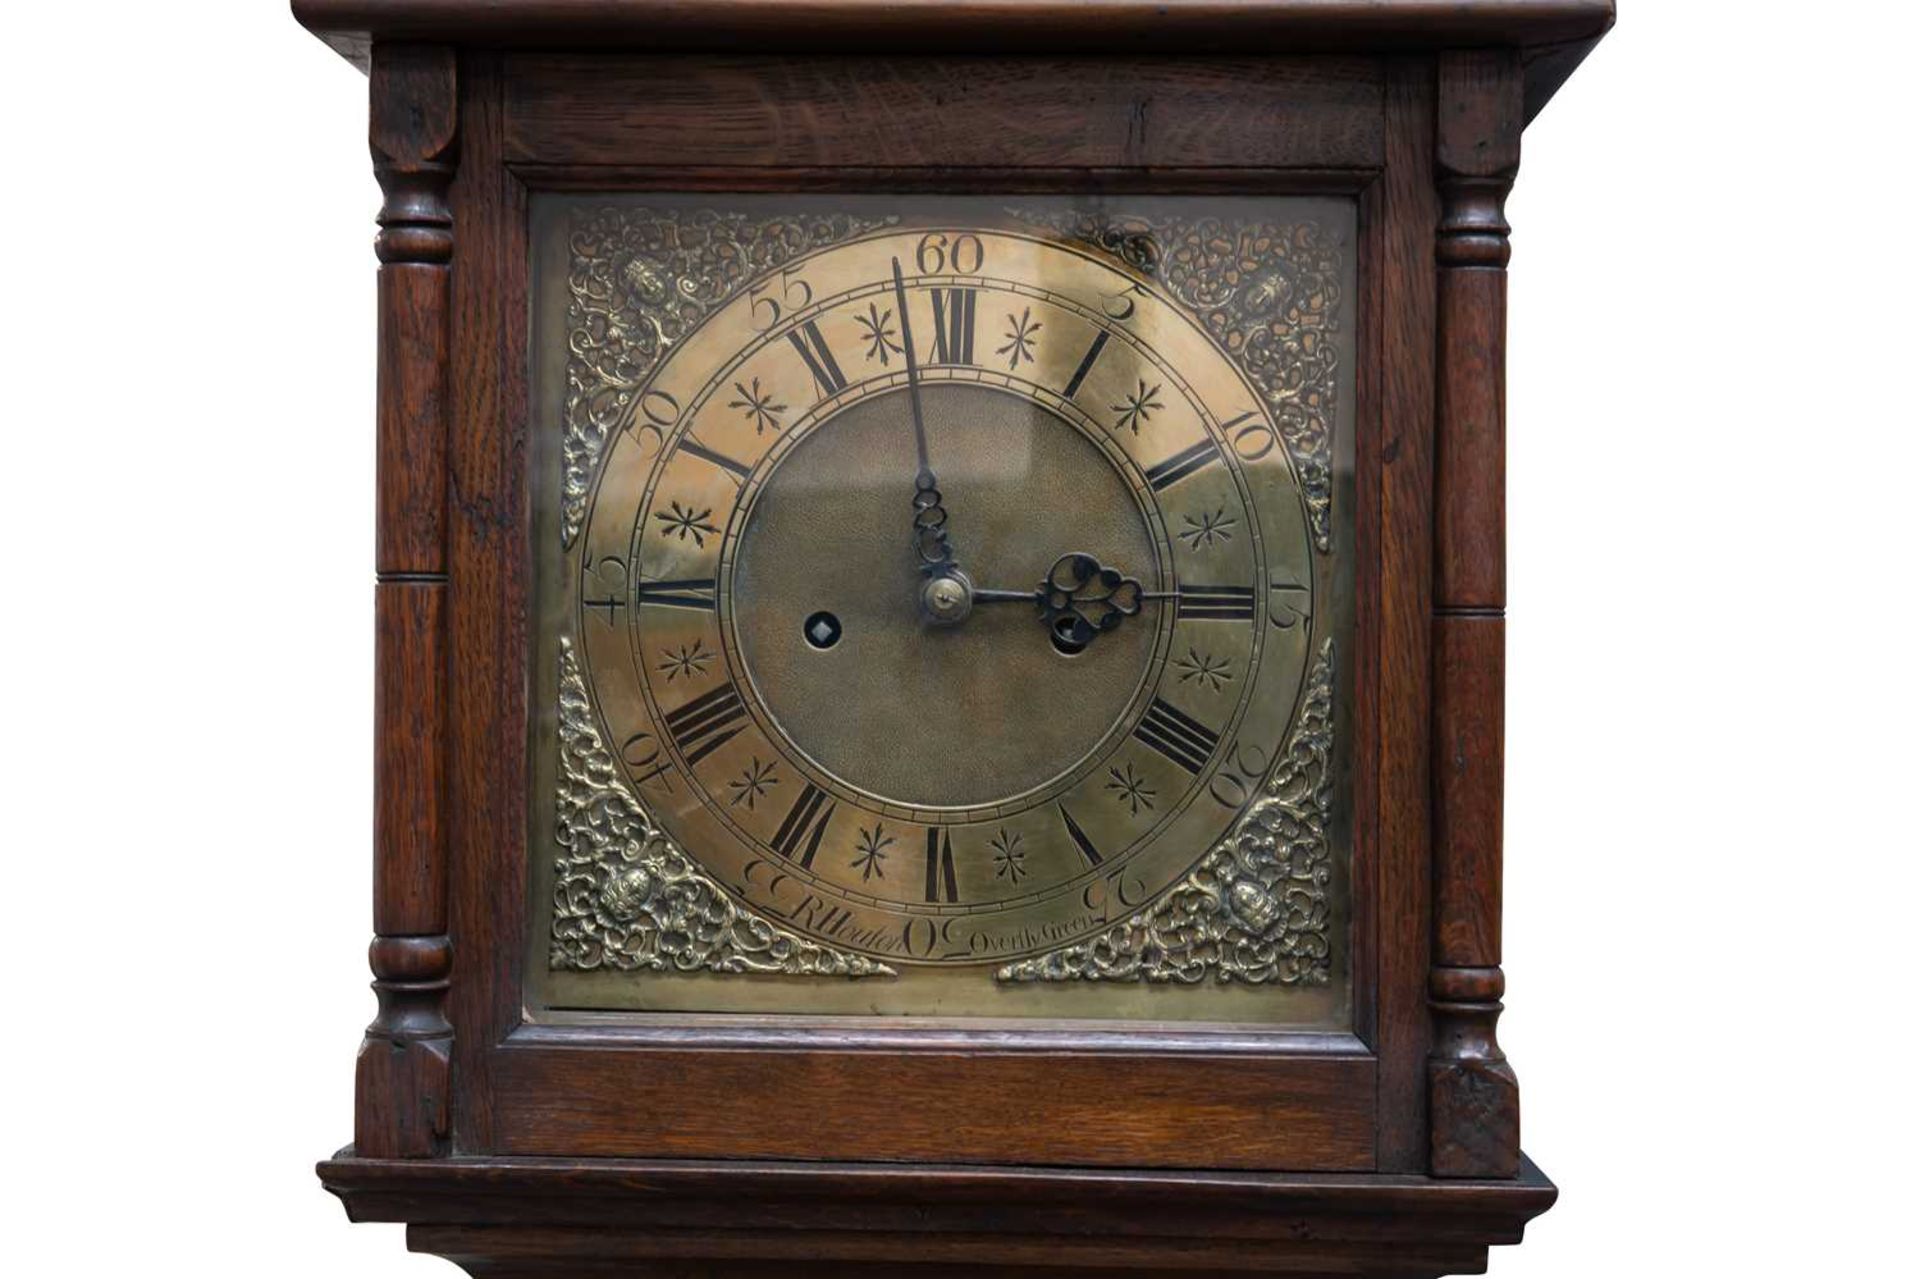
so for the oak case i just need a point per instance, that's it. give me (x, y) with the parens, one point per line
(1225, 1087)
(524, 1146)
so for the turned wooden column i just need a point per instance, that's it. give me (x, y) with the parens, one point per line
(401, 1098)
(1474, 1101)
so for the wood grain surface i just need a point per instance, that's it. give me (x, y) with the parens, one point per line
(922, 112)
(500, 1216)
(1473, 1097)
(402, 1076)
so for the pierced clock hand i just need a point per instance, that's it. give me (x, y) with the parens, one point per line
(1080, 599)
(929, 515)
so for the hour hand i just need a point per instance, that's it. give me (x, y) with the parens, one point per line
(930, 526)
(1080, 599)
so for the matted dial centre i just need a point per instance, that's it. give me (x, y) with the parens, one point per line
(965, 714)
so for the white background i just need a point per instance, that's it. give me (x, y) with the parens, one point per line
(1711, 838)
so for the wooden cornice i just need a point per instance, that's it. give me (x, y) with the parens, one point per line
(1553, 35)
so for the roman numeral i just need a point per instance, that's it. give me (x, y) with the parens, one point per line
(827, 377)
(707, 723)
(953, 326)
(1177, 735)
(1087, 362)
(1214, 603)
(693, 448)
(1079, 837)
(690, 592)
(1182, 464)
(806, 822)
(940, 866)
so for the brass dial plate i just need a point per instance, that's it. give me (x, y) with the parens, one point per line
(741, 591)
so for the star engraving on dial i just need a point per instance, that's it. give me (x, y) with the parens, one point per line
(1131, 790)
(1138, 408)
(754, 781)
(1020, 339)
(878, 333)
(1204, 668)
(1009, 859)
(688, 660)
(871, 852)
(684, 522)
(1209, 528)
(757, 407)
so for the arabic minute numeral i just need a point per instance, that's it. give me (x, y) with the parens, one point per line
(613, 582)
(1252, 435)
(658, 412)
(1285, 613)
(960, 254)
(767, 309)
(1121, 306)
(1239, 775)
(646, 762)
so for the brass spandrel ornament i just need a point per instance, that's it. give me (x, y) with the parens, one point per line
(639, 282)
(1270, 293)
(626, 898)
(947, 599)
(1257, 909)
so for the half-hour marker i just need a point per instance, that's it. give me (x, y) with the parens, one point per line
(757, 406)
(798, 838)
(1079, 837)
(689, 661)
(683, 522)
(1177, 735)
(1087, 362)
(688, 592)
(940, 876)
(707, 723)
(1137, 407)
(953, 325)
(693, 448)
(1182, 464)
(1214, 603)
(827, 377)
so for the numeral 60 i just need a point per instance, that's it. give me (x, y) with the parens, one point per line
(963, 253)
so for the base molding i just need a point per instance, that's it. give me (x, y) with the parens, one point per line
(522, 1218)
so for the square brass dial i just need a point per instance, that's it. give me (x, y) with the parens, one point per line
(944, 605)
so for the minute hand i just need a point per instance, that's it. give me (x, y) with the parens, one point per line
(1080, 599)
(929, 515)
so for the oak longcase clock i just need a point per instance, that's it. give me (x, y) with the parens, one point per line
(939, 634)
